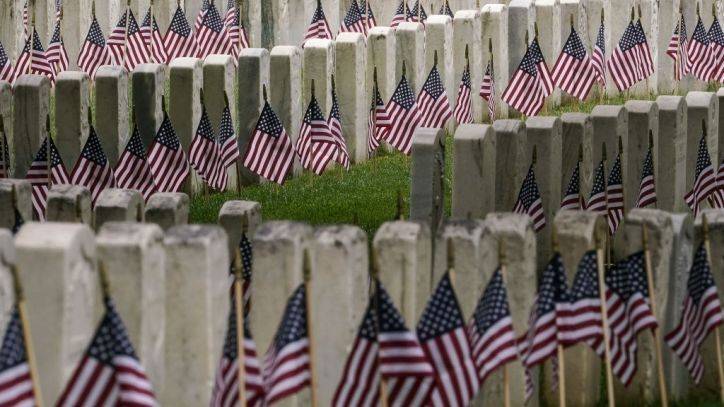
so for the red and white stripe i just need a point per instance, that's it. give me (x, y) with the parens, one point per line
(457, 375)
(494, 348)
(286, 372)
(16, 386)
(96, 178)
(487, 91)
(226, 387)
(463, 111)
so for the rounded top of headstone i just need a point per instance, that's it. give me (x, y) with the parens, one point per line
(585, 224)
(234, 207)
(671, 102)
(543, 122)
(545, 3)
(608, 111)
(32, 80)
(439, 19)
(576, 117)
(59, 236)
(110, 71)
(381, 31)
(185, 62)
(318, 43)
(521, 3)
(167, 200)
(494, 8)
(128, 233)
(720, 92)
(68, 191)
(282, 230)
(7, 247)
(641, 106)
(219, 59)
(149, 68)
(638, 216)
(335, 235)
(465, 228)
(286, 50)
(509, 126)
(71, 76)
(183, 235)
(349, 37)
(473, 131)
(410, 26)
(714, 218)
(7, 184)
(402, 230)
(509, 223)
(699, 98)
(118, 197)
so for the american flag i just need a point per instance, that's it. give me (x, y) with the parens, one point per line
(598, 57)
(226, 385)
(491, 330)
(646, 61)
(704, 180)
(443, 336)
(353, 20)
(445, 9)
(287, 362)
(205, 155)
(153, 39)
(335, 127)
(180, 41)
(235, 29)
(15, 379)
(614, 196)
(270, 153)
(318, 28)
(573, 200)
(433, 102)
(677, 49)
(597, 199)
(403, 116)
(132, 170)
(40, 64)
(367, 14)
(531, 84)
(6, 66)
(529, 201)
(25, 19)
(40, 179)
(701, 60)
(487, 90)
(463, 112)
(716, 42)
(94, 52)
(56, 54)
(401, 14)
(212, 37)
(581, 320)
(228, 145)
(629, 313)
(717, 198)
(131, 51)
(246, 263)
(417, 14)
(316, 146)
(58, 9)
(167, 159)
(92, 169)
(377, 130)
(647, 190)
(109, 373)
(625, 61)
(385, 350)
(201, 15)
(574, 72)
(700, 314)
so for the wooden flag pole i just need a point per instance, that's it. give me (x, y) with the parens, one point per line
(559, 346)
(48, 152)
(707, 246)
(604, 320)
(240, 349)
(313, 372)
(125, 35)
(503, 273)
(652, 303)
(374, 297)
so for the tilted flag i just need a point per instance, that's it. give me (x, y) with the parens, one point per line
(573, 200)
(445, 9)
(167, 159)
(582, 320)
(235, 29)
(529, 200)
(491, 330)
(335, 128)
(6, 66)
(700, 58)
(353, 20)
(716, 42)
(247, 257)
(270, 153)
(33, 60)
(367, 15)
(646, 61)
(624, 63)
(109, 373)
(41, 180)
(487, 90)
(132, 170)
(92, 170)
(442, 334)
(385, 350)
(678, 49)
(614, 195)
(597, 200)
(531, 83)
(403, 116)
(417, 13)
(574, 72)
(598, 57)
(463, 112)
(316, 146)
(433, 102)
(212, 37)
(287, 366)
(226, 385)
(25, 19)
(377, 129)
(15, 379)
(704, 179)
(228, 145)
(717, 197)
(205, 155)
(180, 41)
(94, 52)
(126, 43)
(153, 38)
(56, 53)
(401, 14)
(647, 189)
(318, 28)
(200, 16)
(700, 314)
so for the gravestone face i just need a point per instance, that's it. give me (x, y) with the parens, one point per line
(511, 162)
(494, 26)
(351, 66)
(466, 32)
(111, 106)
(577, 135)
(318, 65)
(69, 203)
(551, 37)
(382, 54)
(702, 106)
(285, 72)
(31, 108)
(643, 116)
(184, 107)
(23, 201)
(72, 90)
(118, 205)
(521, 16)
(671, 147)
(6, 111)
(7, 291)
(610, 123)
(147, 82)
(474, 171)
(411, 49)
(439, 39)
(428, 167)
(253, 73)
(167, 209)
(237, 217)
(219, 77)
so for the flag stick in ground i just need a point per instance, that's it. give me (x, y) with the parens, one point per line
(559, 347)
(652, 305)
(241, 354)
(707, 246)
(502, 264)
(376, 304)
(604, 319)
(492, 67)
(48, 151)
(602, 87)
(307, 271)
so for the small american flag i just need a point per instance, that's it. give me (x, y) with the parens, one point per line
(226, 385)
(167, 159)
(270, 153)
(353, 20)
(94, 52)
(574, 72)
(529, 201)
(487, 90)
(180, 41)
(56, 54)
(201, 15)
(235, 29)
(377, 130)
(212, 37)
(15, 379)
(335, 127)
(700, 314)
(582, 319)
(700, 58)
(401, 14)
(531, 84)
(318, 28)
(205, 155)
(433, 102)
(463, 112)
(403, 116)
(109, 373)
(39, 177)
(597, 199)
(716, 42)
(598, 57)
(6, 66)
(614, 196)
(445, 9)
(491, 329)
(247, 257)
(25, 19)
(418, 14)
(40, 64)
(443, 336)
(385, 350)
(228, 145)
(316, 146)
(92, 169)
(647, 189)
(132, 51)
(153, 39)
(132, 170)
(625, 60)
(367, 14)
(677, 50)
(287, 362)
(646, 61)
(704, 180)
(573, 200)
(717, 198)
